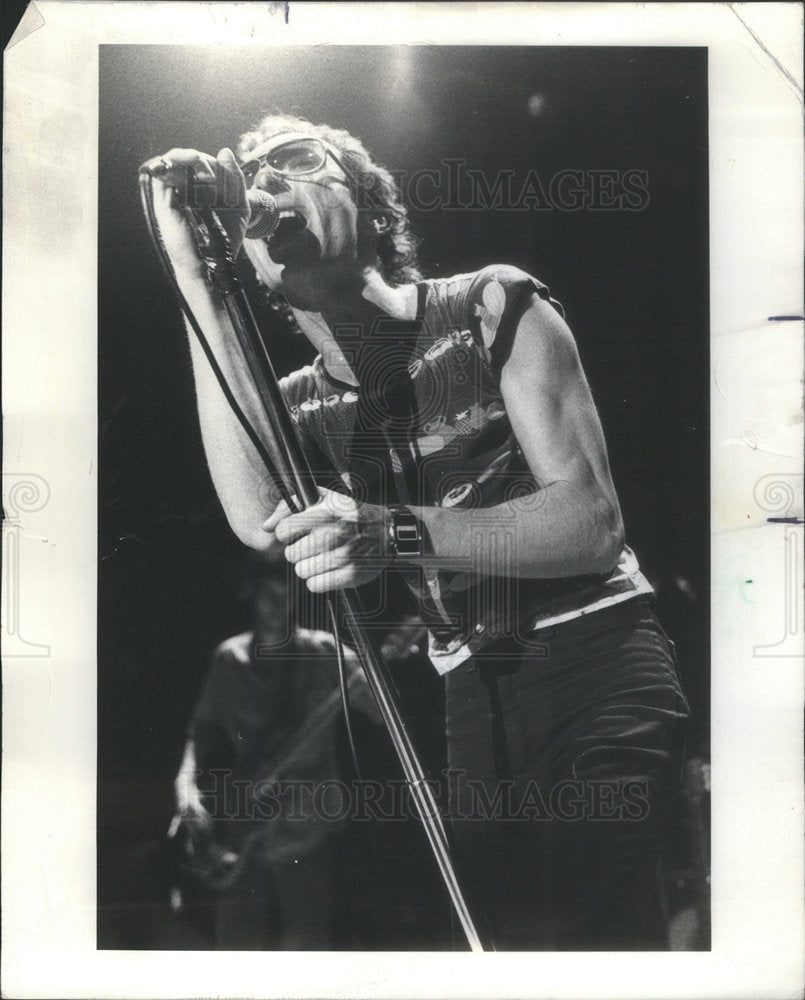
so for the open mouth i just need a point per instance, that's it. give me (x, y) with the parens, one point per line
(292, 242)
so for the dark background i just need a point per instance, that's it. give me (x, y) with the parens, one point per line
(634, 286)
(11, 13)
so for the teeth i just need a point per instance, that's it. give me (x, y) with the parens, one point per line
(287, 214)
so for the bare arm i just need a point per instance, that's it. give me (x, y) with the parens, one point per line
(573, 525)
(187, 797)
(238, 474)
(570, 527)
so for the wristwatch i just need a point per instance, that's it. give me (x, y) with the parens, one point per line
(406, 537)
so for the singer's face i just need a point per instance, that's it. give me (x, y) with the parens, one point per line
(316, 238)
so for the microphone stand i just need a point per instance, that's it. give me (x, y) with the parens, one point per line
(287, 464)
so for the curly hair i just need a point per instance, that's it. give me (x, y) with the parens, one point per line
(370, 184)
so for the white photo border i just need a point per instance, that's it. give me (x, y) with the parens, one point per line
(50, 482)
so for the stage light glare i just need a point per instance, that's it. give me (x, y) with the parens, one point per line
(536, 105)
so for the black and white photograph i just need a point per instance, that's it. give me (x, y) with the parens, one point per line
(511, 257)
(409, 493)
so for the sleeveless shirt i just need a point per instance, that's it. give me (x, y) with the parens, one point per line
(428, 426)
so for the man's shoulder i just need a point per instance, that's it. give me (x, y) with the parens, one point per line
(236, 647)
(487, 305)
(320, 642)
(503, 274)
(491, 290)
(313, 638)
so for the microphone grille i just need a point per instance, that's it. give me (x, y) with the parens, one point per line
(265, 214)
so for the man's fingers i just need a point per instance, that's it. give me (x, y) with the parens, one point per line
(294, 526)
(231, 186)
(227, 160)
(336, 579)
(298, 525)
(323, 538)
(322, 563)
(282, 510)
(181, 166)
(289, 526)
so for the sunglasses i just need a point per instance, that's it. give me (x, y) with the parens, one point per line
(294, 158)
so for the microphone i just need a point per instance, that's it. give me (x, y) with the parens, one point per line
(265, 214)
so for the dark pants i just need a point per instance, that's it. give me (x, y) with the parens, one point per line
(282, 905)
(564, 756)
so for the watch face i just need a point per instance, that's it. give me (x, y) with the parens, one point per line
(406, 535)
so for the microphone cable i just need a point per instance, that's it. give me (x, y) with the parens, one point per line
(147, 198)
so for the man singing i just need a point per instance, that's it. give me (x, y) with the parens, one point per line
(469, 457)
